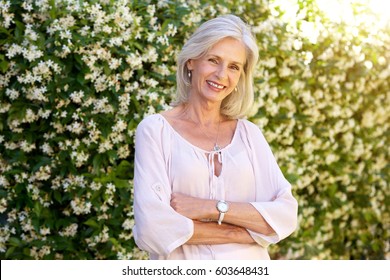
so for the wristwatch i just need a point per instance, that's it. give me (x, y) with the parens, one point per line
(222, 207)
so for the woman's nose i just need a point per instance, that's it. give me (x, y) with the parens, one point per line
(222, 72)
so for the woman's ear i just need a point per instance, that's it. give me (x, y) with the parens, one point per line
(190, 65)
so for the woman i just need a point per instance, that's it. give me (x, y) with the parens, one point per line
(206, 184)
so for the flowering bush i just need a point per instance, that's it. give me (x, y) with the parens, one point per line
(76, 77)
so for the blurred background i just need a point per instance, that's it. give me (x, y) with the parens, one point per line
(76, 77)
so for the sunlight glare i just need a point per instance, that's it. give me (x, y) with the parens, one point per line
(341, 10)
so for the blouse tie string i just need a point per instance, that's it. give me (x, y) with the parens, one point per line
(211, 166)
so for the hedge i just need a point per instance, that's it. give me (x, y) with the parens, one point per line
(76, 77)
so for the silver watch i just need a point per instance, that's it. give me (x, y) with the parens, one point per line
(222, 207)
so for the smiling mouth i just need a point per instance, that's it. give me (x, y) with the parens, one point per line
(215, 85)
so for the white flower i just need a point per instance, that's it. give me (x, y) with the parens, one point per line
(45, 114)
(115, 63)
(65, 51)
(80, 206)
(70, 230)
(297, 44)
(151, 82)
(163, 70)
(172, 30)
(151, 10)
(110, 188)
(3, 181)
(163, 40)
(308, 57)
(30, 33)
(75, 127)
(26, 147)
(106, 145)
(270, 63)
(65, 34)
(32, 53)
(102, 106)
(119, 126)
(124, 100)
(12, 93)
(4, 107)
(14, 50)
(95, 186)
(285, 71)
(368, 119)
(123, 151)
(44, 230)
(331, 158)
(128, 224)
(134, 60)
(45, 250)
(309, 31)
(80, 158)
(151, 55)
(84, 31)
(307, 98)
(43, 173)
(117, 41)
(37, 94)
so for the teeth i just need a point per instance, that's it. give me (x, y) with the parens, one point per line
(215, 85)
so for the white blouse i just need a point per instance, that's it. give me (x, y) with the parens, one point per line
(165, 162)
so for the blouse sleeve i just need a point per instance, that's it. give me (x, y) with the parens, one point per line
(158, 228)
(274, 200)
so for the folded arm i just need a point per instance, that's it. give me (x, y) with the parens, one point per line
(212, 233)
(239, 218)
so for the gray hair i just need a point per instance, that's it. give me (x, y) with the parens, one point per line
(238, 103)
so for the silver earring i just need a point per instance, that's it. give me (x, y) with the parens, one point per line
(189, 74)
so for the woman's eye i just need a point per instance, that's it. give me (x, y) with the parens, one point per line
(213, 60)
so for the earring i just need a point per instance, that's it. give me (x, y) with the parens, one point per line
(189, 74)
(235, 89)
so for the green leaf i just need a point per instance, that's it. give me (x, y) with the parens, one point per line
(96, 194)
(123, 170)
(26, 252)
(15, 242)
(53, 10)
(37, 209)
(114, 241)
(81, 78)
(9, 252)
(4, 31)
(97, 163)
(4, 66)
(42, 161)
(19, 30)
(92, 223)
(57, 196)
(122, 183)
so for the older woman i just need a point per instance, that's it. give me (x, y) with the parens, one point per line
(206, 184)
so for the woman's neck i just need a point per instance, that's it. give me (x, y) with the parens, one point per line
(201, 114)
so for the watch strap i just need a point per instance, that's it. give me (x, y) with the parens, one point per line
(221, 216)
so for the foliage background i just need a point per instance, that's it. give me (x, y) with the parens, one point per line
(77, 76)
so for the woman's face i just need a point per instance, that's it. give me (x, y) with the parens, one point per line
(216, 74)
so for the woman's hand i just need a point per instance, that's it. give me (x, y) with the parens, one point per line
(194, 208)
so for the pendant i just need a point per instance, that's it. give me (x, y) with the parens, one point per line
(216, 148)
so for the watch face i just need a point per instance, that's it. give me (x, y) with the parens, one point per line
(222, 206)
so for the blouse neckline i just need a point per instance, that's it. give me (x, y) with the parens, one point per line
(196, 147)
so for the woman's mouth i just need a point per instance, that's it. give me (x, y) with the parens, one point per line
(215, 85)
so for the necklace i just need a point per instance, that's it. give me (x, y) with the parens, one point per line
(216, 147)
